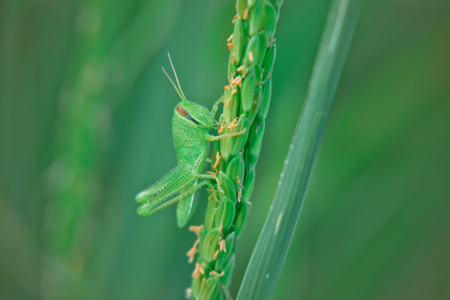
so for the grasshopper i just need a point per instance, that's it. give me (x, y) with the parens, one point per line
(191, 124)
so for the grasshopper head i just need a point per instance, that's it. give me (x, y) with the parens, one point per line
(194, 114)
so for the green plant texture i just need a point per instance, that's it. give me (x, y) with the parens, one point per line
(85, 124)
(275, 238)
(246, 103)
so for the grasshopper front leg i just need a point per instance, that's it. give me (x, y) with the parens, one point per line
(215, 106)
(213, 138)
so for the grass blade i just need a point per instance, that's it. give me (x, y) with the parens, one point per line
(268, 257)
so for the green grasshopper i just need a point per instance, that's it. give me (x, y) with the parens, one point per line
(190, 126)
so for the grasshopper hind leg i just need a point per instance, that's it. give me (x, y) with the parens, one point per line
(155, 188)
(185, 208)
(177, 190)
(186, 205)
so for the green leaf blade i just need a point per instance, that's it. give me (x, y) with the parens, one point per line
(273, 243)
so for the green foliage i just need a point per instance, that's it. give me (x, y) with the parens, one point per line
(249, 46)
(270, 252)
(374, 217)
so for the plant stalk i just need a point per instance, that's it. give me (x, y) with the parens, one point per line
(270, 252)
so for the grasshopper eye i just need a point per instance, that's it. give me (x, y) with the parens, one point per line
(182, 112)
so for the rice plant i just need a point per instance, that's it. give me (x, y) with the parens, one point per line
(85, 124)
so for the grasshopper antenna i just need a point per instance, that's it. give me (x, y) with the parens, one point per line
(177, 86)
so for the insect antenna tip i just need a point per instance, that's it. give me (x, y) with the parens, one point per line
(176, 86)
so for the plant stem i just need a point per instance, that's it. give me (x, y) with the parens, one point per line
(268, 257)
(245, 105)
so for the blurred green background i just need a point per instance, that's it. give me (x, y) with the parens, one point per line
(85, 124)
